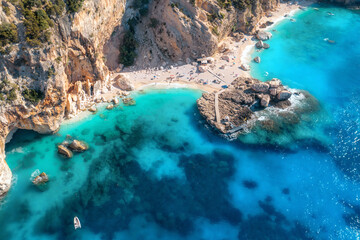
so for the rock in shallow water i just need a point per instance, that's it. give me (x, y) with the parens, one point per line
(78, 146)
(283, 95)
(64, 151)
(41, 179)
(244, 100)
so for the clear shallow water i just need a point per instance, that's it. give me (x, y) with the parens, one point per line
(154, 172)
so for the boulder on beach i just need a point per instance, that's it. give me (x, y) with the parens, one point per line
(257, 59)
(41, 179)
(260, 87)
(115, 101)
(78, 146)
(64, 151)
(283, 95)
(110, 107)
(92, 109)
(225, 57)
(201, 69)
(123, 83)
(263, 35)
(263, 25)
(245, 67)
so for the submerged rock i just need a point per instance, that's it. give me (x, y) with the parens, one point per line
(41, 179)
(129, 101)
(64, 151)
(78, 146)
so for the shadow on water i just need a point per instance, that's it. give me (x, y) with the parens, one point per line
(23, 138)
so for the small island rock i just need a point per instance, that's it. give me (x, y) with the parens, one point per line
(78, 146)
(64, 151)
(41, 179)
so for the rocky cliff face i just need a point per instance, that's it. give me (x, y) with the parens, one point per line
(177, 30)
(67, 69)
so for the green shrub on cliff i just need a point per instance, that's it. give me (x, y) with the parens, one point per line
(128, 49)
(8, 34)
(74, 5)
(238, 4)
(33, 96)
(37, 24)
(11, 95)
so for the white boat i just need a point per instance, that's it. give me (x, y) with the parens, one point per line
(77, 223)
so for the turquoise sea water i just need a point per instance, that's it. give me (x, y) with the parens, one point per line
(154, 172)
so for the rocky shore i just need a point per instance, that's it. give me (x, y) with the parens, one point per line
(234, 110)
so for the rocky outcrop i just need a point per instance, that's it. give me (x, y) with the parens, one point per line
(41, 179)
(64, 151)
(263, 35)
(123, 83)
(78, 146)
(177, 30)
(238, 104)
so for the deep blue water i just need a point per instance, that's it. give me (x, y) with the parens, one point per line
(154, 172)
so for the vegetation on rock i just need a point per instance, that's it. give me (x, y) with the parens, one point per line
(128, 49)
(8, 34)
(74, 5)
(33, 96)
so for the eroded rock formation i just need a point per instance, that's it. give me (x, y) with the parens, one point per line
(242, 103)
(68, 70)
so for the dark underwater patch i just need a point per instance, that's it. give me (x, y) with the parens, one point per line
(28, 160)
(249, 184)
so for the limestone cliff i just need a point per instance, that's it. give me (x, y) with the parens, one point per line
(179, 30)
(67, 69)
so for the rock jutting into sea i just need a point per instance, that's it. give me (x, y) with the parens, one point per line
(41, 179)
(242, 104)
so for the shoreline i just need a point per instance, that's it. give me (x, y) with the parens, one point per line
(187, 76)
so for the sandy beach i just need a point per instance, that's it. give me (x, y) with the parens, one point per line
(220, 72)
